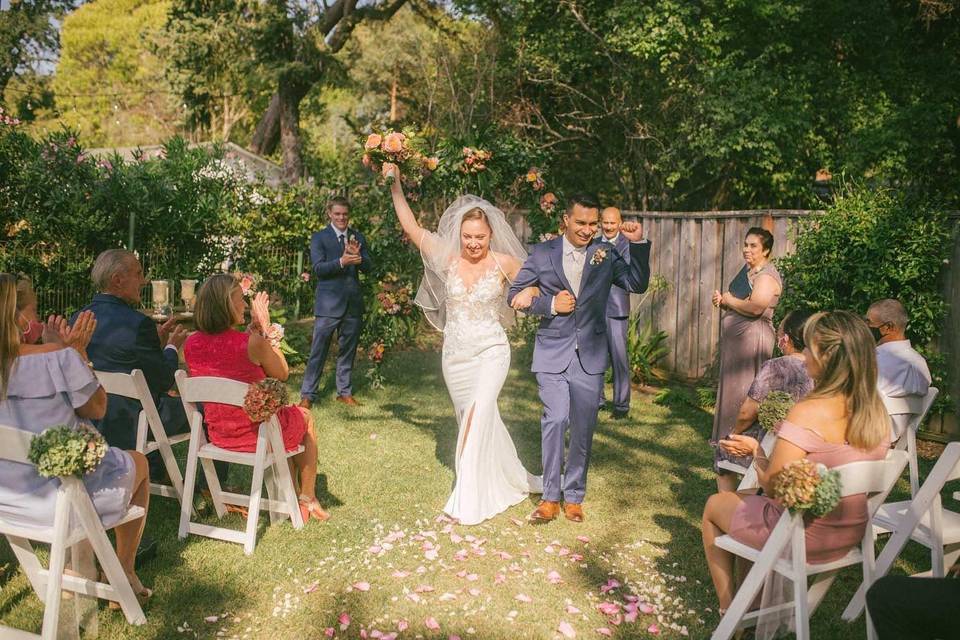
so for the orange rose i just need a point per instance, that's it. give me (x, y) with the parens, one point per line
(431, 163)
(532, 175)
(393, 143)
(373, 141)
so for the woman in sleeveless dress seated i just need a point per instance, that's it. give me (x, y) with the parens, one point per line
(468, 264)
(46, 385)
(842, 420)
(217, 349)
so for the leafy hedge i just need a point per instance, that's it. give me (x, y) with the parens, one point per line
(873, 244)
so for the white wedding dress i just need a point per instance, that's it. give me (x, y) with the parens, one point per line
(476, 359)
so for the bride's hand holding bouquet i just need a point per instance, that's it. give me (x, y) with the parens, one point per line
(403, 150)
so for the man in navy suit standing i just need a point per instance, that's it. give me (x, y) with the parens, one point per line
(337, 254)
(618, 317)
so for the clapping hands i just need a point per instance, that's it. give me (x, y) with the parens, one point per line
(260, 311)
(56, 330)
(171, 333)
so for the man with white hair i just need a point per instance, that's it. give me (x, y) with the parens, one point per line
(903, 376)
(126, 339)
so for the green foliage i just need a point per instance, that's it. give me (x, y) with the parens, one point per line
(646, 348)
(28, 34)
(873, 244)
(62, 451)
(109, 84)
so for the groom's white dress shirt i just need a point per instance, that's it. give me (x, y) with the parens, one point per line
(902, 377)
(573, 260)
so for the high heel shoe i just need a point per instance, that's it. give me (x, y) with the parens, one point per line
(310, 508)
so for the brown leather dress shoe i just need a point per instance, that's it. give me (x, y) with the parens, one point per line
(348, 400)
(573, 512)
(545, 511)
(306, 403)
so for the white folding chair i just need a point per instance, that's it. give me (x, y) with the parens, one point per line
(876, 479)
(269, 463)
(918, 409)
(923, 520)
(134, 385)
(75, 524)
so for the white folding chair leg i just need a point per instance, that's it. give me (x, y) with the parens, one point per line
(914, 465)
(213, 485)
(58, 552)
(256, 486)
(282, 476)
(779, 538)
(27, 558)
(190, 482)
(801, 602)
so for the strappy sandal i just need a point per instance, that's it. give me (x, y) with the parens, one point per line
(142, 595)
(310, 508)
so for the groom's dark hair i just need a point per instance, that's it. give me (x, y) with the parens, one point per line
(583, 199)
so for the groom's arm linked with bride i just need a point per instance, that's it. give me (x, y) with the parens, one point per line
(574, 274)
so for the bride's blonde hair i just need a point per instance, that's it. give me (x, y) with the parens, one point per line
(844, 351)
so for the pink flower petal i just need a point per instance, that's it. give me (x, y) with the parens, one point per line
(432, 624)
(653, 629)
(413, 597)
(499, 578)
(474, 592)
(312, 587)
(361, 586)
(344, 621)
(401, 574)
(583, 539)
(375, 549)
(645, 608)
(456, 538)
(522, 597)
(566, 630)
(572, 610)
(329, 632)
(630, 616)
(402, 625)
(554, 578)
(424, 588)
(472, 577)
(430, 554)
(608, 608)
(604, 631)
(453, 637)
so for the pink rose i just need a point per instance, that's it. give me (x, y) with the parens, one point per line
(393, 143)
(373, 141)
(367, 162)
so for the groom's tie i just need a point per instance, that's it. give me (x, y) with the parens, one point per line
(340, 239)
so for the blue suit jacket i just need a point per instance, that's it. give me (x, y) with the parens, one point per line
(560, 337)
(124, 340)
(338, 288)
(618, 305)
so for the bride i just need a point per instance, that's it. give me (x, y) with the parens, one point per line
(468, 264)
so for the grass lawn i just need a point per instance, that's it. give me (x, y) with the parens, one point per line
(386, 561)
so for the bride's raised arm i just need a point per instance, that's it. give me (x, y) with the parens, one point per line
(417, 234)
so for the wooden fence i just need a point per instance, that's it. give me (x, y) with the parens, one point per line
(696, 253)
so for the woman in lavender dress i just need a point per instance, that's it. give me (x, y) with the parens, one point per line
(46, 385)
(746, 334)
(786, 373)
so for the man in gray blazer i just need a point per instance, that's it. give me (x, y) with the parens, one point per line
(574, 274)
(618, 317)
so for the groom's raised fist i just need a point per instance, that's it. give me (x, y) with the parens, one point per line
(564, 302)
(632, 230)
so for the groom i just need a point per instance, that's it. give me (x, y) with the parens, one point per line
(574, 274)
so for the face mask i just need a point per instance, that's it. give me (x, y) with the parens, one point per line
(33, 332)
(876, 333)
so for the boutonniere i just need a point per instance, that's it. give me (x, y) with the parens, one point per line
(353, 238)
(598, 256)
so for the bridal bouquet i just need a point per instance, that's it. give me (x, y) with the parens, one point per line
(62, 451)
(402, 148)
(264, 399)
(475, 160)
(774, 409)
(803, 486)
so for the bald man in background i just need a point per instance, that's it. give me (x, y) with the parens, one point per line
(618, 318)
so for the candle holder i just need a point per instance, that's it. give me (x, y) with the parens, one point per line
(188, 294)
(160, 296)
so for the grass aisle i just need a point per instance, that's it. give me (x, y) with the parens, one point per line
(385, 564)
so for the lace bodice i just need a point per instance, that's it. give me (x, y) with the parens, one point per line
(473, 315)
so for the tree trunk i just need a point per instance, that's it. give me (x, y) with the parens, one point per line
(291, 93)
(267, 134)
(393, 100)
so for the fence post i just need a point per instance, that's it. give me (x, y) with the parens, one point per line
(133, 222)
(296, 306)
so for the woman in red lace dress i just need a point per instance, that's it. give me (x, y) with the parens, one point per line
(218, 349)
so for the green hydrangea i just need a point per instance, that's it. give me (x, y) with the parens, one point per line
(774, 408)
(827, 495)
(65, 451)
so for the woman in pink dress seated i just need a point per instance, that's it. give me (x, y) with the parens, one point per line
(842, 420)
(218, 349)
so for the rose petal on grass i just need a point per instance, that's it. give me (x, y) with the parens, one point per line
(432, 624)
(430, 554)
(401, 574)
(645, 608)
(566, 630)
(522, 597)
(554, 578)
(211, 618)
(572, 610)
(653, 629)
(583, 539)
(474, 592)
(604, 631)
(361, 586)
(344, 621)
(424, 588)
(608, 608)
(402, 625)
